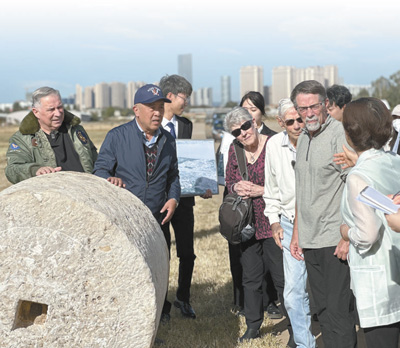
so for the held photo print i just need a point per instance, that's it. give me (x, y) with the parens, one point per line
(197, 166)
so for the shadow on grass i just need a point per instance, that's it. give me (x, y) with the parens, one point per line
(215, 325)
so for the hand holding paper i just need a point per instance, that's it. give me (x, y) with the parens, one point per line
(377, 200)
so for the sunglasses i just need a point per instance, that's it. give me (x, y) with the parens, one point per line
(245, 126)
(291, 121)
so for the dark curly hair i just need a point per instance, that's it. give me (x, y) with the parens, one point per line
(368, 123)
(338, 94)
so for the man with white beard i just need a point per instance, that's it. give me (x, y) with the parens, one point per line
(316, 232)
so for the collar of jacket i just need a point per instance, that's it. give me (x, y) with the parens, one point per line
(139, 132)
(327, 122)
(30, 124)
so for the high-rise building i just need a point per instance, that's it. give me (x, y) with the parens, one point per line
(185, 66)
(78, 96)
(131, 89)
(282, 83)
(251, 79)
(285, 78)
(202, 97)
(118, 94)
(88, 98)
(225, 90)
(331, 75)
(102, 95)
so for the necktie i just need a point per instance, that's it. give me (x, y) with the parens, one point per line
(172, 129)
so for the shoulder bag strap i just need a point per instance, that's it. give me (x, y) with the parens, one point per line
(241, 159)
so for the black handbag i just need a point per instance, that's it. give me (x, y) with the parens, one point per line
(235, 213)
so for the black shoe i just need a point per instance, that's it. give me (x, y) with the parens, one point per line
(186, 309)
(249, 335)
(165, 318)
(273, 311)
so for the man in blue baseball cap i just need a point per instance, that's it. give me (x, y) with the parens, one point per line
(141, 156)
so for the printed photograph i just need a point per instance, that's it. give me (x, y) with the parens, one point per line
(197, 166)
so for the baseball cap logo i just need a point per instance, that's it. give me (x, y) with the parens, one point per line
(154, 90)
(148, 94)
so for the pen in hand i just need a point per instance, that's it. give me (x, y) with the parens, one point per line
(396, 198)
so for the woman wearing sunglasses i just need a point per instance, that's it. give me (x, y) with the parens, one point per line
(254, 103)
(260, 252)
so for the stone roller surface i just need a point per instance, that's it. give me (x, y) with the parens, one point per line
(83, 263)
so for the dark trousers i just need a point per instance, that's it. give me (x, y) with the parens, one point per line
(257, 257)
(329, 279)
(382, 336)
(269, 291)
(183, 224)
(235, 254)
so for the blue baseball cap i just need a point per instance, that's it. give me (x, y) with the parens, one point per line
(148, 94)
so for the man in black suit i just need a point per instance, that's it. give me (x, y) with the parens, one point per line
(178, 90)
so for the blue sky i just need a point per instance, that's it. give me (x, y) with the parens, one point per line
(61, 43)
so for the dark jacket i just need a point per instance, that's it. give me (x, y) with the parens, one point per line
(185, 129)
(267, 131)
(122, 155)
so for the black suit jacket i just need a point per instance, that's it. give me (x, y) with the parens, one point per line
(267, 131)
(185, 129)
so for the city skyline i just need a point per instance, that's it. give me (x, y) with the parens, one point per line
(92, 41)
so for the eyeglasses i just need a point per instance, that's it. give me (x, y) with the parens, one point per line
(303, 109)
(186, 100)
(245, 126)
(291, 121)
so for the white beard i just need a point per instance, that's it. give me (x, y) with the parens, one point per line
(314, 126)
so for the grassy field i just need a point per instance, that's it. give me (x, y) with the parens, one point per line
(215, 325)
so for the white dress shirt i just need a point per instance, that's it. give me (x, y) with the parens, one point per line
(174, 121)
(279, 188)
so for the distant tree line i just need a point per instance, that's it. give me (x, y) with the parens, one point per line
(385, 88)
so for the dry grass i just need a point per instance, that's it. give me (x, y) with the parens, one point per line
(215, 326)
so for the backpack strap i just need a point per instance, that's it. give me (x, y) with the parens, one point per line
(241, 159)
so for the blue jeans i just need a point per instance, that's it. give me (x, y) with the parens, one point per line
(295, 294)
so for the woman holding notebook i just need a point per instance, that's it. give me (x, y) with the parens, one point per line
(374, 255)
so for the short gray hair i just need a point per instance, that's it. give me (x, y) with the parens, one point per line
(284, 106)
(42, 92)
(175, 84)
(235, 116)
(308, 87)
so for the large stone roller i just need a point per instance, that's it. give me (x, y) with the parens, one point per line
(83, 263)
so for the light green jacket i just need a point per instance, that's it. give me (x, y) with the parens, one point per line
(375, 271)
(29, 148)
